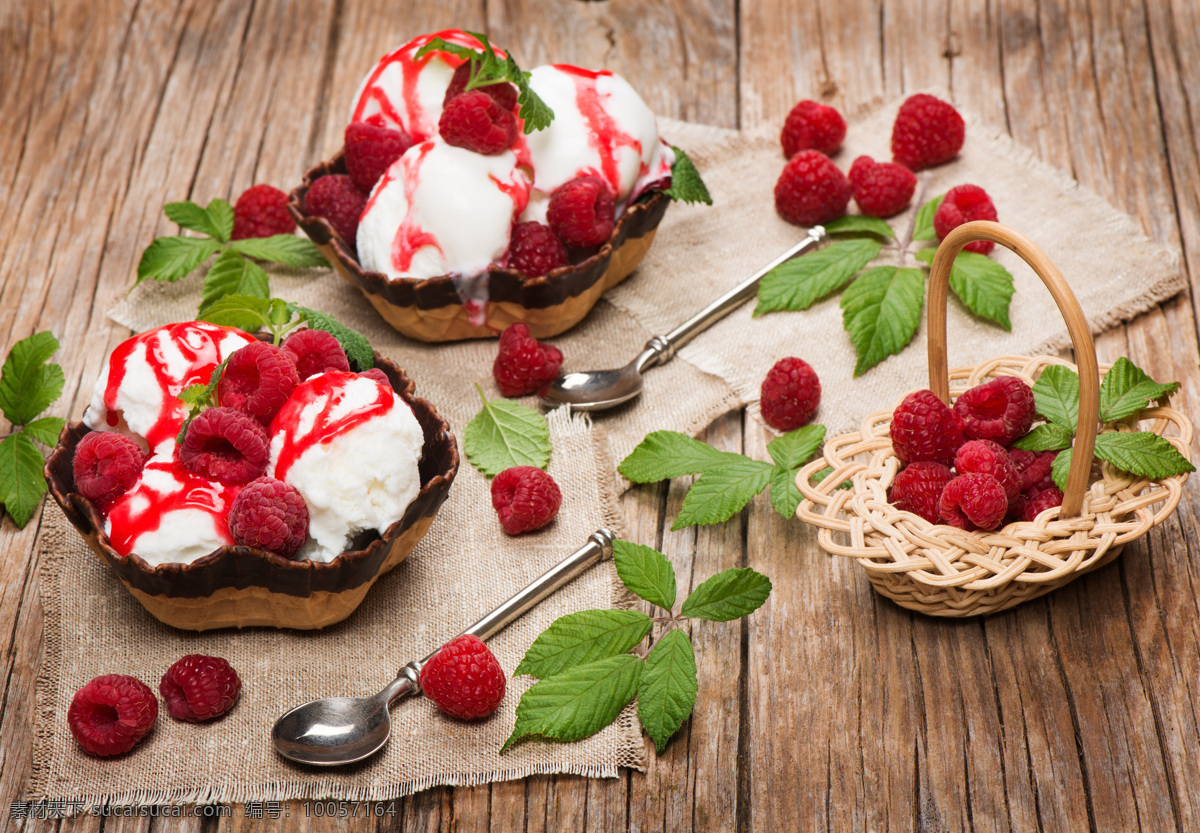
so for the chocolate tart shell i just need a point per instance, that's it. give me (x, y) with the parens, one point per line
(237, 586)
(431, 309)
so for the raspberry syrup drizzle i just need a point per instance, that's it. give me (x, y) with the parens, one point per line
(411, 236)
(605, 136)
(141, 509)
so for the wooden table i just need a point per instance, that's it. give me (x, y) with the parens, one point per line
(830, 708)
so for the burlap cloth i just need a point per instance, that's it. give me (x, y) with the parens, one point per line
(465, 565)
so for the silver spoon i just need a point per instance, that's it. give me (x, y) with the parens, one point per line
(343, 730)
(595, 390)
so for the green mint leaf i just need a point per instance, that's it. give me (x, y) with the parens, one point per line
(646, 572)
(1056, 395)
(686, 184)
(245, 312)
(859, 224)
(1061, 467)
(578, 702)
(535, 113)
(583, 637)
(281, 313)
(506, 434)
(881, 311)
(820, 475)
(439, 45)
(728, 595)
(288, 249)
(1127, 389)
(21, 482)
(193, 395)
(199, 397)
(667, 692)
(663, 455)
(1142, 453)
(1048, 437)
(358, 349)
(189, 215)
(232, 274)
(27, 383)
(923, 223)
(722, 491)
(171, 258)
(795, 284)
(790, 452)
(984, 286)
(46, 430)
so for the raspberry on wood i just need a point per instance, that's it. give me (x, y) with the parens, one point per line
(370, 150)
(336, 198)
(315, 351)
(525, 498)
(261, 211)
(918, 489)
(226, 445)
(962, 204)
(476, 122)
(1001, 410)
(197, 688)
(924, 428)
(812, 126)
(582, 212)
(523, 364)
(110, 714)
(271, 515)
(258, 379)
(503, 92)
(533, 249)
(106, 464)
(987, 457)
(811, 190)
(881, 189)
(790, 394)
(973, 500)
(464, 679)
(927, 132)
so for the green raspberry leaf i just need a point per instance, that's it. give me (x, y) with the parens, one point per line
(860, 224)
(288, 249)
(232, 274)
(820, 475)
(1142, 453)
(583, 637)
(729, 595)
(646, 572)
(797, 283)
(46, 430)
(220, 214)
(722, 491)
(506, 434)
(923, 223)
(984, 286)
(21, 482)
(209, 222)
(1048, 437)
(246, 312)
(1127, 389)
(358, 349)
(667, 693)
(881, 311)
(785, 494)
(1056, 395)
(1061, 467)
(686, 184)
(790, 452)
(171, 258)
(28, 383)
(578, 702)
(663, 455)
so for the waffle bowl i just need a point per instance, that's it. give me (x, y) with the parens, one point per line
(943, 571)
(237, 586)
(431, 309)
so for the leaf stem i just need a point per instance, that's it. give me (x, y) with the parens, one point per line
(904, 242)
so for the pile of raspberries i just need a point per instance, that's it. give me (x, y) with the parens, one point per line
(960, 467)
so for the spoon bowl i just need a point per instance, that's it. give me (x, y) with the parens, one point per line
(594, 390)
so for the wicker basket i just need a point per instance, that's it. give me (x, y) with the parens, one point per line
(944, 571)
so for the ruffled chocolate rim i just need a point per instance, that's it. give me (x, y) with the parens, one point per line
(241, 567)
(504, 285)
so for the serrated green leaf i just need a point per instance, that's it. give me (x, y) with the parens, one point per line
(795, 284)
(242, 311)
(1142, 453)
(358, 348)
(663, 455)
(583, 637)
(171, 258)
(923, 224)
(821, 474)
(984, 286)
(1127, 389)
(288, 249)
(722, 491)
(1061, 467)
(667, 692)
(785, 495)
(1056, 395)
(793, 449)
(1048, 437)
(578, 702)
(686, 184)
(21, 482)
(189, 215)
(645, 572)
(859, 224)
(220, 214)
(28, 383)
(729, 595)
(505, 434)
(281, 312)
(193, 394)
(46, 429)
(881, 311)
(534, 112)
(232, 274)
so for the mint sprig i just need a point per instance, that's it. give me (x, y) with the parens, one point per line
(686, 184)
(198, 397)
(29, 384)
(587, 675)
(505, 434)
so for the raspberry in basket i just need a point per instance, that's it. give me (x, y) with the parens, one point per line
(523, 364)
(918, 488)
(464, 679)
(370, 150)
(198, 688)
(1000, 410)
(924, 428)
(258, 380)
(987, 457)
(790, 394)
(973, 500)
(106, 464)
(1040, 502)
(881, 189)
(525, 498)
(226, 445)
(811, 190)
(812, 126)
(927, 132)
(271, 515)
(261, 211)
(109, 715)
(1034, 467)
(962, 204)
(315, 351)
(581, 212)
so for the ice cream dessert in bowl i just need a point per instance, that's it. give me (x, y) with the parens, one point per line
(470, 194)
(230, 482)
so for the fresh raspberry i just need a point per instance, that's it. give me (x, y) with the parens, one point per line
(790, 394)
(918, 488)
(525, 498)
(927, 132)
(476, 122)
(258, 380)
(198, 688)
(962, 204)
(503, 92)
(523, 364)
(464, 679)
(225, 444)
(581, 212)
(534, 250)
(370, 150)
(881, 189)
(378, 375)
(271, 515)
(336, 198)
(261, 211)
(1033, 466)
(812, 126)
(924, 428)
(1041, 501)
(109, 715)
(811, 190)
(973, 500)
(987, 457)
(1001, 410)
(106, 464)
(315, 351)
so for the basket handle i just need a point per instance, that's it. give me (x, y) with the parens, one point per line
(1077, 326)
